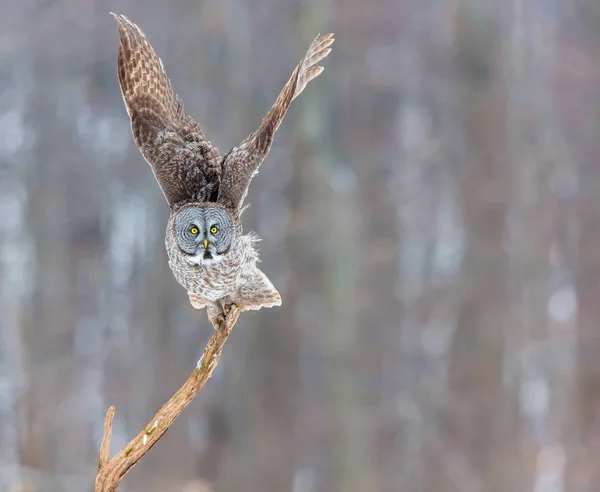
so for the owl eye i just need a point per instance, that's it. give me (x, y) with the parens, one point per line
(214, 229)
(194, 230)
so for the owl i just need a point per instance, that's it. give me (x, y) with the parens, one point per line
(208, 253)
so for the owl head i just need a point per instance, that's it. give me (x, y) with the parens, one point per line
(204, 232)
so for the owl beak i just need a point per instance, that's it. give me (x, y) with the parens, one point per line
(205, 243)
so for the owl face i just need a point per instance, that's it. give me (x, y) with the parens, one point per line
(203, 233)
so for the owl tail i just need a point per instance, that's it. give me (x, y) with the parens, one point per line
(258, 293)
(196, 301)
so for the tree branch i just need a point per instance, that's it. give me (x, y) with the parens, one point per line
(112, 471)
(105, 445)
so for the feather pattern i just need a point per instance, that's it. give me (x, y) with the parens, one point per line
(186, 165)
(242, 162)
(219, 270)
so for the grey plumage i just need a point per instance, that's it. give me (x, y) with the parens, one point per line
(208, 253)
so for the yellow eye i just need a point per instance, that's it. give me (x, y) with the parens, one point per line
(194, 230)
(214, 229)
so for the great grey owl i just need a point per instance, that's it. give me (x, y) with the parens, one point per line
(208, 253)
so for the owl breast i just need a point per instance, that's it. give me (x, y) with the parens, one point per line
(215, 280)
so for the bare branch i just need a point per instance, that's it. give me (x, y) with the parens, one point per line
(112, 471)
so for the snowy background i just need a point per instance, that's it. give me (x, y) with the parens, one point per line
(430, 213)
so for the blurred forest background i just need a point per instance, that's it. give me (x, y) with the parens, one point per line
(430, 212)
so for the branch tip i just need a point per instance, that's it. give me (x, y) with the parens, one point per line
(105, 445)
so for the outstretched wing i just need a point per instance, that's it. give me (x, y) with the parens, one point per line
(242, 162)
(185, 164)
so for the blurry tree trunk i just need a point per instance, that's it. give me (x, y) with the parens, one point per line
(541, 335)
(16, 282)
(48, 218)
(361, 252)
(483, 422)
(584, 473)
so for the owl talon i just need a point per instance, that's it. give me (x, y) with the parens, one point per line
(226, 307)
(218, 322)
(225, 320)
(233, 313)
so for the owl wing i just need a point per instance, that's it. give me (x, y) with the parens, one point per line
(242, 162)
(183, 161)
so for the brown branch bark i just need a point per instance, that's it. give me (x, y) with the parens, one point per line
(112, 471)
(105, 445)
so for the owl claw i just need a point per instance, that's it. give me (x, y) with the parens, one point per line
(218, 321)
(233, 313)
(225, 320)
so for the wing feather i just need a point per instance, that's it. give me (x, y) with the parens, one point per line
(185, 164)
(242, 162)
